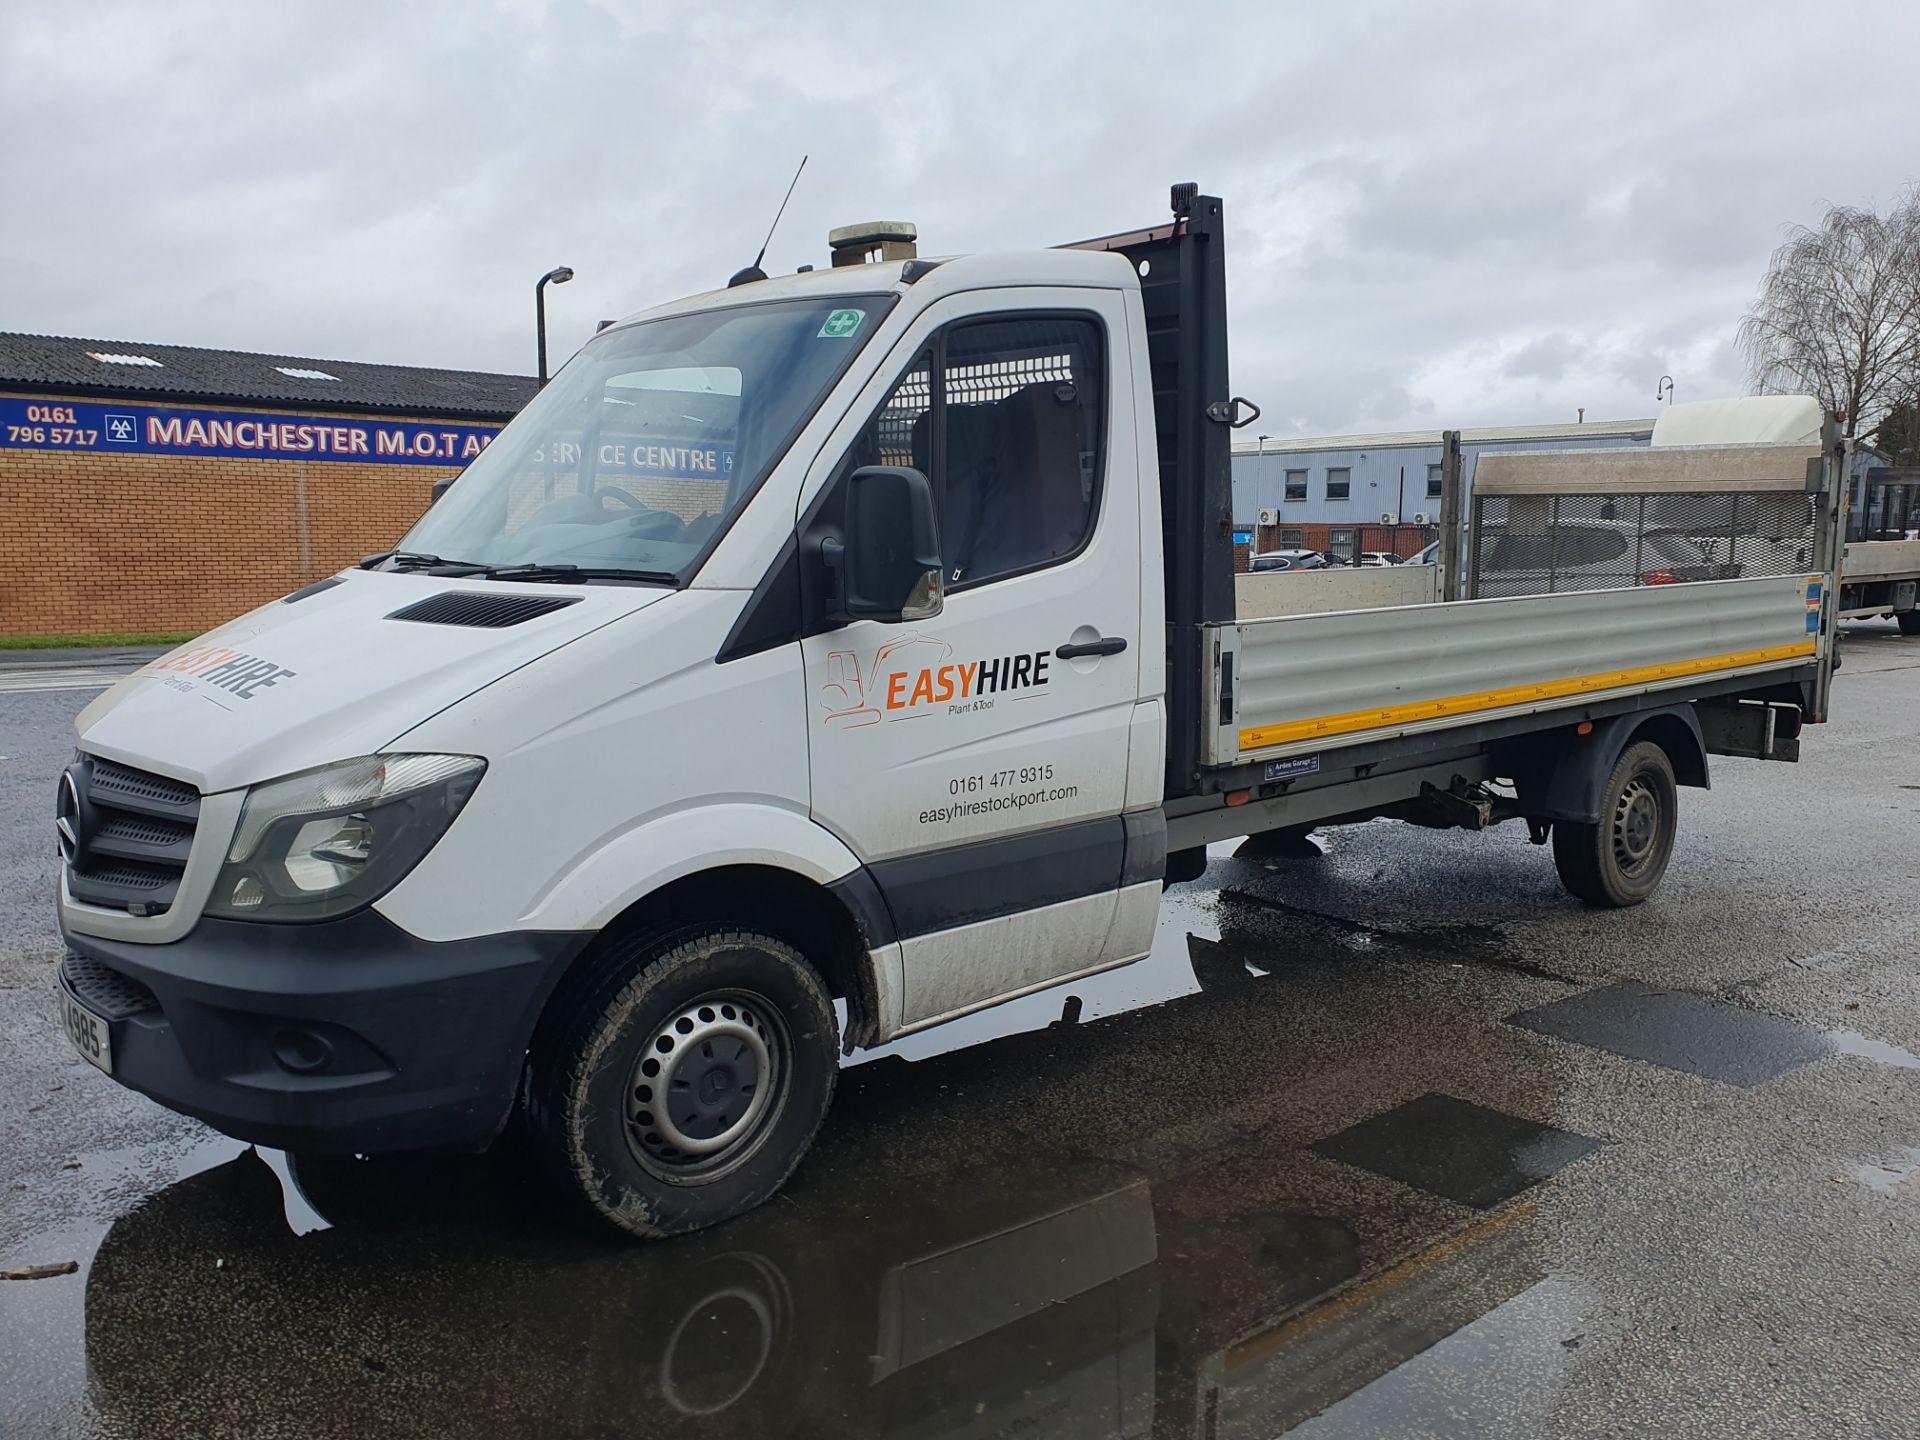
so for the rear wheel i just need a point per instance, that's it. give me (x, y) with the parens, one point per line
(685, 1085)
(1909, 622)
(1620, 861)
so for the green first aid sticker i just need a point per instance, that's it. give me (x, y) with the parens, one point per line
(842, 323)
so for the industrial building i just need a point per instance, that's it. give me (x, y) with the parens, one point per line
(1352, 493)
(165, 488)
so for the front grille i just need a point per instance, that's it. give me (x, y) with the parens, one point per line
(106, 992)
(144, 832)
(125, 834)
(110, 780)
(130, 876)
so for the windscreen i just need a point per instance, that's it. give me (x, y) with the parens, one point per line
(642, 448)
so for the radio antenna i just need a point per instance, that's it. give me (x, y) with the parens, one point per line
(754, 272)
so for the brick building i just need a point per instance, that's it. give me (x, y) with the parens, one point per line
(163, 488)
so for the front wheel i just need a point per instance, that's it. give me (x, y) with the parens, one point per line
(1909, 622)
(684, 1087)
(1620, 861)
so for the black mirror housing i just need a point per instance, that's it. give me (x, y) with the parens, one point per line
(889, 562)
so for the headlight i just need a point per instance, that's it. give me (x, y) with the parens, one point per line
(325, 842)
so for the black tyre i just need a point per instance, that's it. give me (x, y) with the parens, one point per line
(684, 1086)
(1621, 860)
(1909, 622)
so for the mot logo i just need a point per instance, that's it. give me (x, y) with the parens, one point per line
(121, 429)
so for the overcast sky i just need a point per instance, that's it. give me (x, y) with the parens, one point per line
(1437, 214)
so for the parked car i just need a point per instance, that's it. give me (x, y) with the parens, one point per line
(1287, 560)
(1590, 555)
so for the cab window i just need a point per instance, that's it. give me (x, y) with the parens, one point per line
(1006, 418)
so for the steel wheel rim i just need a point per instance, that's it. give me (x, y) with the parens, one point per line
(706, 1086)
(1636, 825)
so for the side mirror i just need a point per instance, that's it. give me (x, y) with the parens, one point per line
(889, 563)
(440, 487)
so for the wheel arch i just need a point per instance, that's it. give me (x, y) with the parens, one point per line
(1563, 777)
(832, 926)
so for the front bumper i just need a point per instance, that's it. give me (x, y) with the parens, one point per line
(347, 1036)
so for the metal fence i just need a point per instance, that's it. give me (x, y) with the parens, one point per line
(1543, 544)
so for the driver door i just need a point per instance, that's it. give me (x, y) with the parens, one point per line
(977, 762)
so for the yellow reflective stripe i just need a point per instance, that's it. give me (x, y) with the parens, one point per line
(1390, 715)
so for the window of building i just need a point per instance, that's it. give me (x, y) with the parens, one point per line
(1339, 482)
(1017, 467)
(1433, 482)
(1292, 540)
(1341, 543)
(1296, 484)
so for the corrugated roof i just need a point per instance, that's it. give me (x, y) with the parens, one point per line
(185, 372)
(1483, 435)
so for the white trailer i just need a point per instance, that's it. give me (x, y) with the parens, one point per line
(867, 636)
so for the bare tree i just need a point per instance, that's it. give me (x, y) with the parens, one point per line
(1838, 315)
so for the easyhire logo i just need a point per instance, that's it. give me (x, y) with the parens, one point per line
(911, 676)
(942, 684)
(232, 670)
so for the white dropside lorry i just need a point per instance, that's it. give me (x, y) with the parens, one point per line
(865, 635)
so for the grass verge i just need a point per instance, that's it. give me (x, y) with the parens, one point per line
(79, 642)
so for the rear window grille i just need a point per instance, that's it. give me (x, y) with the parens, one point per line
(1546, 544)
(486, 612)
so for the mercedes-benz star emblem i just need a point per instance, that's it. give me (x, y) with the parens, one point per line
(67, 818)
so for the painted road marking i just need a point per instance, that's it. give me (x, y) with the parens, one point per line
(51, 678)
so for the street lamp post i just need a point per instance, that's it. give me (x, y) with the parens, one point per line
(559, 275)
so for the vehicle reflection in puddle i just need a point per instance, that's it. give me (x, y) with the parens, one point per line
(1062, 1302)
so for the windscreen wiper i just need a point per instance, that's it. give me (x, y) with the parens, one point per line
(577, 574)
(419, 560)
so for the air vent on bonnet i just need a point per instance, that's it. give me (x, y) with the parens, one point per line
(488, 612)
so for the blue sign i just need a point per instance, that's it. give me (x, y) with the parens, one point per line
(1243, 537)
(1289, 769)
(120, 428)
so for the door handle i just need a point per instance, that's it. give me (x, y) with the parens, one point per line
(1112, 645)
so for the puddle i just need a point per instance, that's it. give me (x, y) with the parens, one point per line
(1680, 1030)
(1018, 1304)
(1849, 1042)
(1512, 1360)
(1458, 1150)
(1887, 1176)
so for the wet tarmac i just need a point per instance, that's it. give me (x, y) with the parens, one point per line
(1386, 1139)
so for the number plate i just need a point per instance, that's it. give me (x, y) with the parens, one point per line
(90, 1034)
